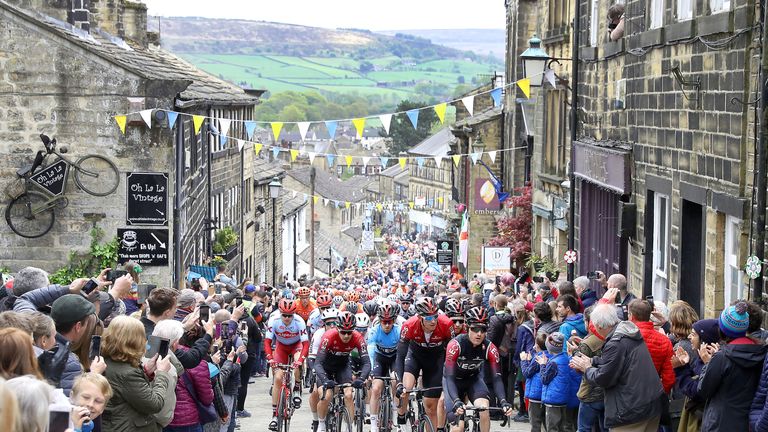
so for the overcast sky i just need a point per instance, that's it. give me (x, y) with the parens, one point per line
(364, 14)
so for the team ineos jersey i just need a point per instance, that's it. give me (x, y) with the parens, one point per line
(295, 331)
(413, 332)
(334, 354)
(464, 360)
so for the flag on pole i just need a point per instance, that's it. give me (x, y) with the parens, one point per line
(464, 240)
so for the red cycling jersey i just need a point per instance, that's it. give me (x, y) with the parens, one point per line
(333, 354)
(413, 332)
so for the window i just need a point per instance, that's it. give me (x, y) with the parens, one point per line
(734, 282)
(660, 246)
(717, 6)
(553, 154)
(594, 21)
(657, 14)
(684, 10)
(558, 14)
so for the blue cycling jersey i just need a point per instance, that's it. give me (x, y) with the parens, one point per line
(382, 343)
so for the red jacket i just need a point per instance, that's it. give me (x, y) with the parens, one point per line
(185, 413)
(661, 353)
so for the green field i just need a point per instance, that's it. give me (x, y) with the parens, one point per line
(391, 75)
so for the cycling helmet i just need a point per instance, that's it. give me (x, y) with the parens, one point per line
(338, 300)
(324, 300)
(347, 321)
(388, 311)
(353, 296)
(477, 315)
(425, 306)
(362, 321)
(302, 292)
(453, 308)
(330, 314)
(406, 298)
(351, 307)
(286, 306)
(392, 298)
(371, 307)
(371, 295)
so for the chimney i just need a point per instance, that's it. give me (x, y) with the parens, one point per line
(107, 15)
(135, 22)
(78, 14)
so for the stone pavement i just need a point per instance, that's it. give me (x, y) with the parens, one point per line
(259, 404)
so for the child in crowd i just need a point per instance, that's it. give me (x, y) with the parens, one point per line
(560, 385)
(89, 396)
(530, 364)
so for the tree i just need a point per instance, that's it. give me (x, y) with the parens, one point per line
(404, 136)
(366, 67)
(515, 230)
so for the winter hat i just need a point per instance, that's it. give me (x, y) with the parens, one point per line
(734, 320)
(186, 299)
(555, 342)
(707, 330)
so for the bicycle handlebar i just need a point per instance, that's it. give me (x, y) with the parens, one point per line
(339, 386)
(481, 408)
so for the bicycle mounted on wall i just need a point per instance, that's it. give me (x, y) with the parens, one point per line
(41, 187)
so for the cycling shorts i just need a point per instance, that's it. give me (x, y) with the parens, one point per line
(469, 390)
(341, 376)
(431, 373)
(383, 366)
(283, 354)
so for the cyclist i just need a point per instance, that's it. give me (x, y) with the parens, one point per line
(291, 342)
(305, 305)
(455, 311)
(463, 372)
(406, 300)
(421, 350)
(371, 308)
(324, 302)
(328, 319)
(333, 365)
(382, 349)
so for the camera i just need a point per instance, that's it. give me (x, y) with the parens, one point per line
(593, 274)
(612, 25)
(90, 286)
(112, 275)
(538, 279)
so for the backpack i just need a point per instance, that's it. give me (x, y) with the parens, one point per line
(509, 340)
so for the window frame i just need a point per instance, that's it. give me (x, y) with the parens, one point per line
(594, 22)
(719, 6)
(656, 16)
(684, 10)
(661, 263)
(731, 260)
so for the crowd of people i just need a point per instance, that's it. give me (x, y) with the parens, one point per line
(585, 355)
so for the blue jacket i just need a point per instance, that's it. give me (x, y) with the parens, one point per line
(588, 298)
(575, 322)
(758, 412)
(525, 341)
(560, 382)
(533, 386)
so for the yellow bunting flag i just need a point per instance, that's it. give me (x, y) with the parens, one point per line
(379, 207)
(257, 147)
(410, 204)
(294, 153)
(440, 111)
(440, 200)
(198, 121)
(402, 161)
(359, 125)
(456, 159)
(525, 86)
(315, 198)
(276, 128)
(121, 119)
(346, 204)
(348, 160)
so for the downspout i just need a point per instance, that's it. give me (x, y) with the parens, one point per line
(295, 252)
(208, 241)
(761, 164)
(241, 245)
(574, 124)
(177, 186)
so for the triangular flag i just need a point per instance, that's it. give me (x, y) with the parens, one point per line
(469, 104)
(348, 160)
(386, 120)
(250, 128)
(331, 125)
(496, 96)
(337, 203)
(275, 152)
(384, 161)
(198, 121)
(146, 115)
(440, 111)
(293, 194)
(303, 129)
(240, 144)
(325, 201)
(314, 199)
(257, 147)
(525, 86)
(492, 155)
(456, 159)
(438, 160)
(402, 162)
(413, 115)
(223, 138)
(411, 204)
(366, 159)
(420, 161)
(276, 128)
(172, 116)
(359, 126)
(379, 207)
(330, 158)
(549, 75)
(311, 157)
(475, 157)
(294, 153)
(305, 196)
(224, 129)
(346, 204)
(440, 200)
(121, 119)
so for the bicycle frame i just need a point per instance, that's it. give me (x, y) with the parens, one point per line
(472, 422)
(286, 392)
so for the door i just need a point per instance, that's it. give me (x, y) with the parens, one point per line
(691, 271)
(600, 246)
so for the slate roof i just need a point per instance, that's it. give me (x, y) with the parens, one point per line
(478, 118)
(290, 204)
(151, 62)
(323, 241)
(328, 186)
(392, 171)
(437, 144)
(355, 232)
(264, 170)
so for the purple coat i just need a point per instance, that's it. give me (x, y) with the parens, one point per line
(185, 413)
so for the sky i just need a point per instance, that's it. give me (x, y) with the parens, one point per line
(362, 14)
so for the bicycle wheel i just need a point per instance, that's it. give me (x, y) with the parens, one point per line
(425, 425)
(283, 411)
(359, 410)
(343, 422)
(96, 175)
(30, 215)
(385, 413)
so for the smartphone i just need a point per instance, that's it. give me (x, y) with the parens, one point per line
(58, 421)
(143, 291)
(243, 327)
(593, 275)
(625, 311)
(90, 286)
(112, 275)
(538, 279)
(649, 299)
(163, 348)
(95, 350)
(205, 312)
(153, 346)
(238, 301)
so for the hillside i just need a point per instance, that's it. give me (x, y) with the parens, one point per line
(479, 41)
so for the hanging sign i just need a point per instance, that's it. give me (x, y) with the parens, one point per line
(148, 247)
(752, 267)
(570, 256)
(496, 260)
(52, 178)
(147, 199)
(445, 252)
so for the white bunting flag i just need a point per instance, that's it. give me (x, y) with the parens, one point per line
(224, 123)
(365, 161)
(492, 155)
(240, 144)
(469, 103)
(146, 115)
(311, 157)
(386, 121)
(325, 202)
(475, 157)
(438, 160)
(303, 129)
(549, 75)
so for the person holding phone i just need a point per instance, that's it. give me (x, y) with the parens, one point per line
(89, 397)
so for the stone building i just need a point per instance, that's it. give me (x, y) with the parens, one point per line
(67, 69)
(429, 185)
(260, 235)
(294, 234)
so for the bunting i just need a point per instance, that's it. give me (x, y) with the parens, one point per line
(250, 128)
(456, 159)
(359, 124)
(275, 152)
(172, 116)
(276, 128)
(257, 147)
(240, 144)
(525, 86)
(386, 120)
(496, 96)
(420, 161)
(121, 120)
(402, 161)
(303, 129)
(384, 162)
(198, 122)
(440, 111)
(331, 125)
(294, 153)
(311, 157)
(469, 104)
(438, 160)
(330, 158)
(549, 75)
(413, 115)
(348, 160)
(475, 157)
(492, 155)
(146, 115)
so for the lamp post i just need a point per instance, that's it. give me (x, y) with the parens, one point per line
(274, 192)
(535, 61)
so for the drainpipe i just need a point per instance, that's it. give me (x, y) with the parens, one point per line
(574, 123)
(761, 164)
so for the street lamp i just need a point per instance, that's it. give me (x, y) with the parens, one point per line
(535, 61)
(274, 192)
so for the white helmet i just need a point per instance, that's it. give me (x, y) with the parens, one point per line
(338, 300)
(330, 313)
(362, 320)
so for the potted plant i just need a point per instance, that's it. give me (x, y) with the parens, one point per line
(541, 264)
(225, 243)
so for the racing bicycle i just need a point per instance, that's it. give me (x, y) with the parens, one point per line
(386, 421)
(337, 419)
(472, 421)
(40, 188)
(417, 416)
(285, 403)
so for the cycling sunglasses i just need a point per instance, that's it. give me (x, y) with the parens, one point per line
(287, 315)
(458, 321)
(387, 322)
(346, 332)
(478, 329)
(430, 318)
